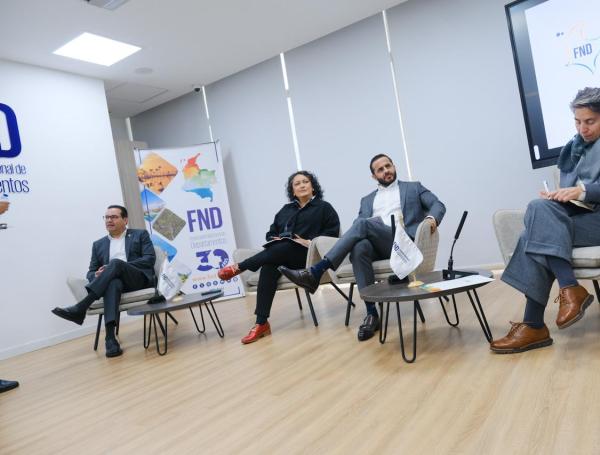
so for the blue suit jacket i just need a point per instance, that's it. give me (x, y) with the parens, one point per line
(138, 248)
(417, 202)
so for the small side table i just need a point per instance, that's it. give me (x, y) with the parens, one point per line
(187, 301)
(385, 293)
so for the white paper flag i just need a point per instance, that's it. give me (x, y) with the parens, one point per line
(405, 256)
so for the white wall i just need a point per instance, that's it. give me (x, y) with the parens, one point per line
(69, 154)
(460, 105)
(464, 126)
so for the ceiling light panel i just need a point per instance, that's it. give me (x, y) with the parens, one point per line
(96, 49)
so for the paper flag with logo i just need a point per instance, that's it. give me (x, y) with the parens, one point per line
(405, 256)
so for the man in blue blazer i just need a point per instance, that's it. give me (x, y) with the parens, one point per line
(122, 261)
(370, 237)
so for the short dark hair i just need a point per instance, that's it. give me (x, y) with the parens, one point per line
(375, 158)
(317, 190)
(121, 208)
(588, 97)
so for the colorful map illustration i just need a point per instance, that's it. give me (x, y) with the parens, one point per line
(198, 180)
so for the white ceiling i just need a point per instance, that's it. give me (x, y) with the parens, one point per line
(184, 42)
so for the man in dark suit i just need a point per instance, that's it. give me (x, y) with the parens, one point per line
(370, 237)
(122, 261)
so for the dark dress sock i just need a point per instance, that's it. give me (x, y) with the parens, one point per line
(261, 319)
(320, 267)
(86, 302)
(110, 330)
(372, 309)
(534, 314)
(563, 271)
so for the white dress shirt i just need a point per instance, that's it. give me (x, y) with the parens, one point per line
(117, 247)
(387, 202)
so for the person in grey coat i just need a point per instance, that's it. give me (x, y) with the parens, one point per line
(554, 224)
(370, 237)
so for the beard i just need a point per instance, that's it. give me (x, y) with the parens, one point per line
(385, 183)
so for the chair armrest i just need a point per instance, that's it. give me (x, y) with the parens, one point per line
(508, 225)
(77, 287)
(427, 243)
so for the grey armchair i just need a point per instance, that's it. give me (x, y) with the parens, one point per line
(250, 278)
(128, 299)
(425, 241)
(508, 225)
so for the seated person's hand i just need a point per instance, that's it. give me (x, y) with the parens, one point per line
(301, 241)
(432, 224)
(99, 271)
(563, 194)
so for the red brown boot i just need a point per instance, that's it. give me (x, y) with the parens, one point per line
(521, 338)
(573, 301)
(257, 332)
(227, 273)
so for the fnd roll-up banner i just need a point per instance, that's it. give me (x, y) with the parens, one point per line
(186, 210)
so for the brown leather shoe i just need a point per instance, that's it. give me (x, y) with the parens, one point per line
(573, 302)
(521, 338)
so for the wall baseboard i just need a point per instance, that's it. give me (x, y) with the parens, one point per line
(56, 339)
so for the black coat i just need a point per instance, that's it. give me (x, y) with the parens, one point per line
(316, 218)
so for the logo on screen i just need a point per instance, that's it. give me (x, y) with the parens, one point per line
(12, 150)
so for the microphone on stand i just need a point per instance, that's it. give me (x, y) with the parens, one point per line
(450, 273)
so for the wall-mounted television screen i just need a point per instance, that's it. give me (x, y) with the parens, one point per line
(556, 48)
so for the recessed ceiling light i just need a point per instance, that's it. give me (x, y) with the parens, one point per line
(96, 49)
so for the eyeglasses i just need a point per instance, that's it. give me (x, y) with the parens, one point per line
(111, 217)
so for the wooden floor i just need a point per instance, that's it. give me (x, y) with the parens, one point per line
(312, 390)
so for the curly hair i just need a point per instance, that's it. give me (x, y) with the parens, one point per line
(317, 190)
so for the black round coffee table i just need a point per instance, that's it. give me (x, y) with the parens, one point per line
(385, 293)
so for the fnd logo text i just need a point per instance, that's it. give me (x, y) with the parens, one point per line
(13, 133)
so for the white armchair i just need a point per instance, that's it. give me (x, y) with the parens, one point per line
(425, 241)
(509, 225)
(128, 299)
(250, 278)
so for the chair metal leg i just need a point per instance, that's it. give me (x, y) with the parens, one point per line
(98, 332)
(597, 289)
(201, 316)
(456, 319)
(342, 293)
(118, 322)
(482, 319)
(312, 310)
(298, 298)
(349, 304)
(414, 337)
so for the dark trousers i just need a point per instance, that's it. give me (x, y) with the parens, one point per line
(292, 255)
(118, 277)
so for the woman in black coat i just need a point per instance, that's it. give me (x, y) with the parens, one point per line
(305, 217)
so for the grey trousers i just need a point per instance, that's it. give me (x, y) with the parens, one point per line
(551, 229)
(368, 240)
